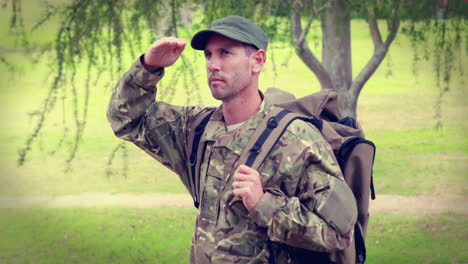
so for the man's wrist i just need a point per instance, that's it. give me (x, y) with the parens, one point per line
(150, 68)
(263, 212)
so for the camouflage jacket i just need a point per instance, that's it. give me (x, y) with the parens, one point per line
(303, 205)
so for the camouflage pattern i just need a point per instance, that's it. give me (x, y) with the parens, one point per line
(299, 177)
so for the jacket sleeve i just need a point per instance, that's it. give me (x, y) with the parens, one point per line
(160, 129)
(321, 214)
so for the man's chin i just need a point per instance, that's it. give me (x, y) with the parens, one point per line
(217, 96)
(222, 94)
(216, 92)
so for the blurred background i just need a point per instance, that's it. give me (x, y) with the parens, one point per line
(403, 63)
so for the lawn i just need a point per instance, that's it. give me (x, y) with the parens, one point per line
(121, 235)
(101, 235)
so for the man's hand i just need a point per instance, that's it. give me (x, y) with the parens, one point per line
(164, 52)
(247, 186)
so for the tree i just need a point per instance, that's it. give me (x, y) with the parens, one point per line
(92, 32)
(334, 70)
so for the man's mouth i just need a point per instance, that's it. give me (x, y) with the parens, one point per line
(215, 80)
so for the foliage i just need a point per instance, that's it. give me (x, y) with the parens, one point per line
(92, 33)
(438, 32)
(95, 35)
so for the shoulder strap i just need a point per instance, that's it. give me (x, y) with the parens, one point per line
(196, 152)
(268, 133)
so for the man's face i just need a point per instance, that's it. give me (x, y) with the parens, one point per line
(228, 65)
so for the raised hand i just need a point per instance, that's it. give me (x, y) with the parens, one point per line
(164, 52)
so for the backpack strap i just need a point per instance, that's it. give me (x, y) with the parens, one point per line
(196, 152)
(268, 133)
(260, 145)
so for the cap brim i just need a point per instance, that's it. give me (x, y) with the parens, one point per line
(200, 39)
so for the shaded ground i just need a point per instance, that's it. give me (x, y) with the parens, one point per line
(383, 203)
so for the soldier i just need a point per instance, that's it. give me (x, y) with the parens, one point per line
(295, 199)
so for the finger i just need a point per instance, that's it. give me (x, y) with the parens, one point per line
(244, 177)
(235, 184)
(239, 176)
(181, 42)
(164, 46)
(176, 48)
(241, 184)
(240, 193)
(237, 193)
(246, 169)
(180, 47)
(168, 43)
(169, 39)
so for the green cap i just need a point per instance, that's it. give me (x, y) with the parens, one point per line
(233, 27)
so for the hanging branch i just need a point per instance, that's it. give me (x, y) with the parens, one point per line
(119, 147)
(88, 28)
(445, 27)
(17, 27)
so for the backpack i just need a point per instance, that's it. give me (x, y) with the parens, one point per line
(353, 152)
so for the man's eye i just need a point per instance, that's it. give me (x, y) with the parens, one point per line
(207, 55)
(224, 52)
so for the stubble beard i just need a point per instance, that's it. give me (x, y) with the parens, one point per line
(222, 93)
(226, 92)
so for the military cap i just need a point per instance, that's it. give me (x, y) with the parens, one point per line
(233, 27)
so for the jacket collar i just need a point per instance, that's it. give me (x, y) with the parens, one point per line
(235, 140)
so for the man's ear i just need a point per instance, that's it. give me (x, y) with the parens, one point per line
(258, 57)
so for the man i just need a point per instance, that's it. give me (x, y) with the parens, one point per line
(294, 199)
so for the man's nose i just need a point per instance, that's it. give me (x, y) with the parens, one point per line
(212, 64)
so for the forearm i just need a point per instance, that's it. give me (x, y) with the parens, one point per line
(292, 221)
(319, 213)
(158, 128)
(134, 93)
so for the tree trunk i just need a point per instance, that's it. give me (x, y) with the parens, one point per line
(336, 53)
(186, 15)
(335, 70)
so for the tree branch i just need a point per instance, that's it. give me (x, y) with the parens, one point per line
(393, 27)
(380, 49)
(314, 12)
(374, 28)
(302, 48)
(174, 19)
(307, 29)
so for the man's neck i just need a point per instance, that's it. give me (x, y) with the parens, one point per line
(242, 107)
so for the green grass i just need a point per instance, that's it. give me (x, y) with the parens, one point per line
(101, 235)
(119, 235)
(421, 161)
(414, 238)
